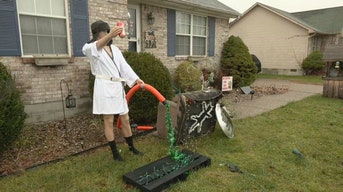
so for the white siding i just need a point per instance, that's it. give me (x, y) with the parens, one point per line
(280, 44)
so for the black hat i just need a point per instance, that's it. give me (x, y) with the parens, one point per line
(99, 26)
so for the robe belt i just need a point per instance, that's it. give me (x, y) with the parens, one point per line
(115, 79)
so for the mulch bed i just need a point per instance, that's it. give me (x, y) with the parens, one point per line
(40, 143)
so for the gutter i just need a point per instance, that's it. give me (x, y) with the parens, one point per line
(189, 7)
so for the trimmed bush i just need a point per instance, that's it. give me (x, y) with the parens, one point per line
(257, 62)
(187, 77)
(91, 84)
(143, 105)
(12, 115)
(236, 61)
(313, 63)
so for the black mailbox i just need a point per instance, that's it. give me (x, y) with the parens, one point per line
(196, 114)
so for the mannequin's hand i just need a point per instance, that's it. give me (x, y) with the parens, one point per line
(139, 81)
(115, 31)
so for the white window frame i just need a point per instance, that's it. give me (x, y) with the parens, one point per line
(66, 17)
(136, 39)
(191, 35)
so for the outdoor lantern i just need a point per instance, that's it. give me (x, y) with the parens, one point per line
(70, 101)
(337, 65)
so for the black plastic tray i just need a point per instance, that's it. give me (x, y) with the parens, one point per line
(160, 174)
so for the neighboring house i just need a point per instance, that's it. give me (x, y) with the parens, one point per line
(282, 40)
(41, 42)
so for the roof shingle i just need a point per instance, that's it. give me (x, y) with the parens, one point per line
(329, 21)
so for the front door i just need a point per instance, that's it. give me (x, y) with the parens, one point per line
(134, 28)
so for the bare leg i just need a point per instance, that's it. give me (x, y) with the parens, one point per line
(108, 127)
(125, 125)
(127, 133)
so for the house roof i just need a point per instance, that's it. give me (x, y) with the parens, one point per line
(328, 20)
(209, 7)
(291, 18)
(323, 21)
(212, 4)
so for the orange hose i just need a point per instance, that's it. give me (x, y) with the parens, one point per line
(148, 87)
(144, 127)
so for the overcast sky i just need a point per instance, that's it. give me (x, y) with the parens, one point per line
(285, 5)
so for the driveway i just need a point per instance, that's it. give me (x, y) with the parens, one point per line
(256, 106)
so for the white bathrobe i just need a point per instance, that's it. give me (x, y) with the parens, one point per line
(109, 96)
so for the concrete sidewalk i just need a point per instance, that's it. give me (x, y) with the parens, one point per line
(258, 105)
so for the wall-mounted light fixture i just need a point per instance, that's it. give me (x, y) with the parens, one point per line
(151, 18)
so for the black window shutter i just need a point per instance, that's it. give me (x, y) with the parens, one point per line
(9, 31)
(211, 35)
(171, 31)
(79, 25)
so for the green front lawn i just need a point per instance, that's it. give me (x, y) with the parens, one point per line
(308, 79)
(262, 149)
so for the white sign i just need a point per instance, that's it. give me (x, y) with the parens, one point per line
(227, 83)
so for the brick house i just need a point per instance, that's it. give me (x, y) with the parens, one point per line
(41, 42)
(281, 40)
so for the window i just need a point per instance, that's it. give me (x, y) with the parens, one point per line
(191, 34)
(316, 41)
(43, 27)
(133, 28)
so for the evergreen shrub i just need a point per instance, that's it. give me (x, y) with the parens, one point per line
(91, 84)
(12, 115)
(236, 61)
(187, 77)
(143, 104)
(313, 63)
